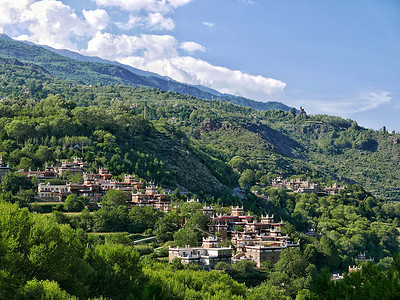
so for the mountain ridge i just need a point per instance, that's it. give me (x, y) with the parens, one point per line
(108, 72)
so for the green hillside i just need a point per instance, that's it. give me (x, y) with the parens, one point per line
(220, 141)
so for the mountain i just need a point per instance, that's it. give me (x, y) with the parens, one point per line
(5, 37)
(73, 66)
(224, 143)
(80, 57)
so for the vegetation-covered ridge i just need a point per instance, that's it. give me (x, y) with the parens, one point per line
(231, 142)
(89, 70)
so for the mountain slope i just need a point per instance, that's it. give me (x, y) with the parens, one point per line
(80, 57)
(235, 144)
(68, 65)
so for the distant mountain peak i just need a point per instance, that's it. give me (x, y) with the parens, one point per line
(4, 37)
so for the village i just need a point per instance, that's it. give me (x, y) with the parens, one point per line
(95, 186)
(258, 241)
(253, 240)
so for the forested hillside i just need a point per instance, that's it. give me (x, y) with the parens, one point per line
(231, 144)
(89, 70)
(35, 134)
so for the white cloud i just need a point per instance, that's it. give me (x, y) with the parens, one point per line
(97, 19)
(250, 2)
(153, 21)
(49, 22)
(162, 6)
(157, 21)
(177, 3)
(12, 12)
(192, 47)
(132, 22)
(155, 10)
(350, 104)
(208, 24)
(148, 47)
(159, 54)
(195, 71)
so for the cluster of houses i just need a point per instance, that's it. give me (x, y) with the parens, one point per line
(253, 240)
(78, 166)
(94, 186)
(304, 186)
(296, 185)
(360, 258)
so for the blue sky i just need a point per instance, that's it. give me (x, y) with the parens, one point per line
(331, 57)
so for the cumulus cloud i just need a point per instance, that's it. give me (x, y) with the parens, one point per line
(192, 47)
(12, 11)
(158, 22)
(50, 22)
(148, 47)
(155, 10)
(159, 54)
(153, 21)
(97, 19)
(132, 22)
(350, 104)
(196, 71)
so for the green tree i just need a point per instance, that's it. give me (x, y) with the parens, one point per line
(74, 203)
(115, 198)
(247, 179)
(116, 272)
(45, 289)
(268, 292)
(14, 182)
(185, 236)
(143, 218)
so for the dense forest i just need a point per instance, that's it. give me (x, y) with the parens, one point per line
(204, 147)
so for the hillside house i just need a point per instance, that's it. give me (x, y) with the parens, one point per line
(261, 241)
(52, 191)
(48, 173)
(334, 189)
(75, 167)
(258, 241)
(206, 256)
(224, 224)
(151, 197)
(96, 185)
(60, 191)
(295, 185)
